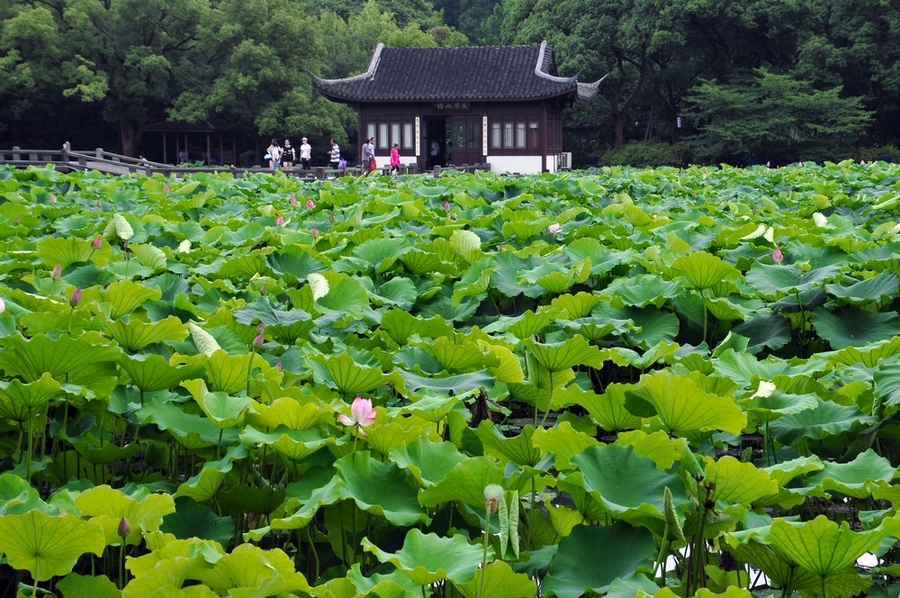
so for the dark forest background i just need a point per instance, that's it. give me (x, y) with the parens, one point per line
(688, 80)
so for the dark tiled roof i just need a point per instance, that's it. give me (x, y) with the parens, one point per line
(491, 73)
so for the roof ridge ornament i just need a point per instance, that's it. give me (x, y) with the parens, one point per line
(539, 67)
(368, 74)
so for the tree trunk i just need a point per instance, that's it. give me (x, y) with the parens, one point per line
(130, 134)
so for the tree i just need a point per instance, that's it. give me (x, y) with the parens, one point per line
(774, 116)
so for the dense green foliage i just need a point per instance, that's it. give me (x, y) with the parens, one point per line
(638, 382)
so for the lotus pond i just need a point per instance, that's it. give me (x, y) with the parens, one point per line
(620, 382)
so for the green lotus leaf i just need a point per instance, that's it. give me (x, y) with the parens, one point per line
(152, 372)
(74, 585)
(135, 335)
(871, 356)
(433, 408)
(289, 412)
(771, 331)
(775, 281)
(244, 267)
(826, 419)
(858, 478)
(296, 261)
(238, 500)
(268, 572)
(428, 461)
(322, 494)
(508, 368)
(878, 289)
(823, 547)
(379, 488)
(262, 312)
(426, 559)
(850, 326)
(703, 270)
(47, 546)
(192, 520)
(392, 585)
(610, 471)
(738, 483)
(557, 357)
(382, 252)
(650, 326)
(401, 325)
(559, 281)
(124, 296)
(18, 496)
(563, 442)
(608, 409)
(150, 256)
(518, 449)
(475, 281)
(189, 230)
(644, 289)
(530, 324)
(294, 444)
(346, 296)
(346, 375)
(388, 434)
(69, 250)
(744, 368)
(887, 381)
(500, 581)
(75, 360)
(684, 408)
(120, 226)
(398, 291)
(659, 447)
(603, 259)
(523, 229)
(466, 483)
(771, 407)
(421, 263)
(205, 484)
(221, 408)
(506, 280)
(205, 342)
(19, 401)
(107, 507)
(467, 245)
(453, 356)
(577, 566)
(573, 307)
(459, 384)
(191, 429)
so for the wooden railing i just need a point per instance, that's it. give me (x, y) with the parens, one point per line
(66, 160)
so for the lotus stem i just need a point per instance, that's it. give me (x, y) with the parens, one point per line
(28, 455)
(487, 534)
(663, 548)
(549, 401)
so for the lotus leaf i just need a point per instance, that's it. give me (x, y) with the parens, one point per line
(379, 488)
(427, 558)
(74, 585)
(47, 546)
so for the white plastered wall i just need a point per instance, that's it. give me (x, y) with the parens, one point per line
(519, 164)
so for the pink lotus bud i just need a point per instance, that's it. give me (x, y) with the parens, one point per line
(800, 163)
(279, 367)
(280, 220)
(124, 528)
(97, 243)
(310, 204)
(862, 161)
(52, 198)
(260, 328)
(232, 166)
(57, 272)
(777, 256)
(166, 189)
(258, 342)
(75, 298)
(315, 232)
(293, 200)
(331, 217)
(2, 305)
(446, 206)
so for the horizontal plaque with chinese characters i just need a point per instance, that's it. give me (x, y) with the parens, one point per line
(448, 106)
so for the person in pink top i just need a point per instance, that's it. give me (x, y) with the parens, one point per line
(395, 159)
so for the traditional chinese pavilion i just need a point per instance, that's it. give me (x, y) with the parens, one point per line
(497, 105)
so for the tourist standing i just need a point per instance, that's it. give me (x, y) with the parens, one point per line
(369, 155)
(335, 154)
(395, 159)
(288, 155)
(273, 154)
(305, 154)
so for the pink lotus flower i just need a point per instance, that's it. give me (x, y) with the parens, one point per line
(96, 243)
(57, 272)
(315, 232)
(769, 164)
(555, 227)
(2, 305)
(362, 414)
(75, 298)
(280, 220)
(777, 256)
(52, 198)
(310, 204)
(446, 206)
(165, 189)
(293, 200)
(331, 217)
(279, 366)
